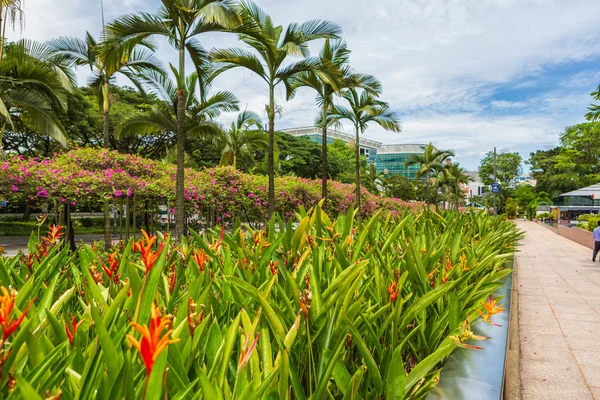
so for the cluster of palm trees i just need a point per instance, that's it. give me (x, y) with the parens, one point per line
(443, 179)
(185, 108)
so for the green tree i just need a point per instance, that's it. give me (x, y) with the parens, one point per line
(11, 13)
(161, 121)
(511, 208)
(106, 60)
(331, 76)
(273, 47)
(241, 139)
(364, 109)
(508, 167)
(180, 22)
(456, 178)
(372, 180)
(400, 187)
(34, 85)
(431, 163)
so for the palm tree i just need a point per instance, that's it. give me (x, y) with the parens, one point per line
(33, 84)
(331, 76)
(161, 120)
(241, 139)
(364, 109)
(11, 12)
(457, 176)
(273, 48)
(106, 60)
(180, 22)
(431, 162)
(374, 181)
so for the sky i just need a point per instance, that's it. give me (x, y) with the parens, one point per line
(465, 75)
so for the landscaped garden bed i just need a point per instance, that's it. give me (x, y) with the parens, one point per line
(314, 307)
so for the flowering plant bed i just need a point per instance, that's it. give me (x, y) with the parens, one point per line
(325, 308)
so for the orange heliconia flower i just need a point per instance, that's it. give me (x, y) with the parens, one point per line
(490, 309)
(144, 246)
(273, 266)
(54, 234)
(200, 256)
(71, 331)
(152, 344)
(393, 291)
(7, 303)
(465, 333)
(112, 268)
(215, 246)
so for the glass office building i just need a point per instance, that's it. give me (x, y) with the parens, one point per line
(388, 158)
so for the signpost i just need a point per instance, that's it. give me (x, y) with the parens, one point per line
(495, 188)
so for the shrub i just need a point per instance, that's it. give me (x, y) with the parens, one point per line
(321, 308)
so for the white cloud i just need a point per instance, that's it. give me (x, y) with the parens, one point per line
(440, 61)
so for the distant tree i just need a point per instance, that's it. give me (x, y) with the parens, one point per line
(372, 180)
(400, 187)
(511, 208)
(431, 163)
(243, 137)
(508, 167)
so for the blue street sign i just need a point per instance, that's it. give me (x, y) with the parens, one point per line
(495, 187)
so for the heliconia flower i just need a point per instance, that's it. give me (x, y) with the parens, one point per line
(7, 303)
(246, 352)
(113, 265)
(200, 256)
(71, 330)
(466, 334)
(149, 257)
(491, 307)
(273, 266)
(393, 291)
(216, 246)
(193, 318)
(54, 234)
(152, 344)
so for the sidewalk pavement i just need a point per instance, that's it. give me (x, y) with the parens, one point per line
(559, 317)
(12, 244)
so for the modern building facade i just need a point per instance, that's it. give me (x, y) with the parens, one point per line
(388, 158)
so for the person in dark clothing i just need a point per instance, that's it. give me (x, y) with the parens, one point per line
(596, 242)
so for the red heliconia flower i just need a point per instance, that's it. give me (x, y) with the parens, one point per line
(144, 246)
(152, 344)
(71, 330)
(54, 234)
(273, 267)
(393, 291)
(113, 265)
(216, 246)
(172, 279)
(200, 256)
(7, 303)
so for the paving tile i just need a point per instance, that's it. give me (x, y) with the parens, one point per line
(591, 375)
(596, 393)
(537, 389)
(589, 358)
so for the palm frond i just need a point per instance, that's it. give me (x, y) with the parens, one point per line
(158, 120)
(227, 59)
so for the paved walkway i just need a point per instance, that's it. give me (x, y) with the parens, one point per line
(12, 244)
(559, 317)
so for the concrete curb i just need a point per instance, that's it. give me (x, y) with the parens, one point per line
(512, 375)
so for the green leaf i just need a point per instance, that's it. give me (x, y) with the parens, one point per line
(395, 376)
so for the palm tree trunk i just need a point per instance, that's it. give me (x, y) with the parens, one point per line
(324, 153)
(3, 33)
(271, 152)
(106, 145)
(234, 161)
(357, 154)
(180, 179)
(428, 188)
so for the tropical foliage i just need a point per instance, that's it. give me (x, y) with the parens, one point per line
(321, 309)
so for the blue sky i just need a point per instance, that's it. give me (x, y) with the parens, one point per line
(465, 74)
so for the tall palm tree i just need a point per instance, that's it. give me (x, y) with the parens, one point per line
(241, 138)
(161, 120)
(106, 60)
(331, 76)
(273, 49)
(180, 22)
(430, 163)
(364, 109)
(11, 12)
(33, 84)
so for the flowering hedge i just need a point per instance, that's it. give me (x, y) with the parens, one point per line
(92, 176)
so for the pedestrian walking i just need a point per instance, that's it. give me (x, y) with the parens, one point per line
(596, 242)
